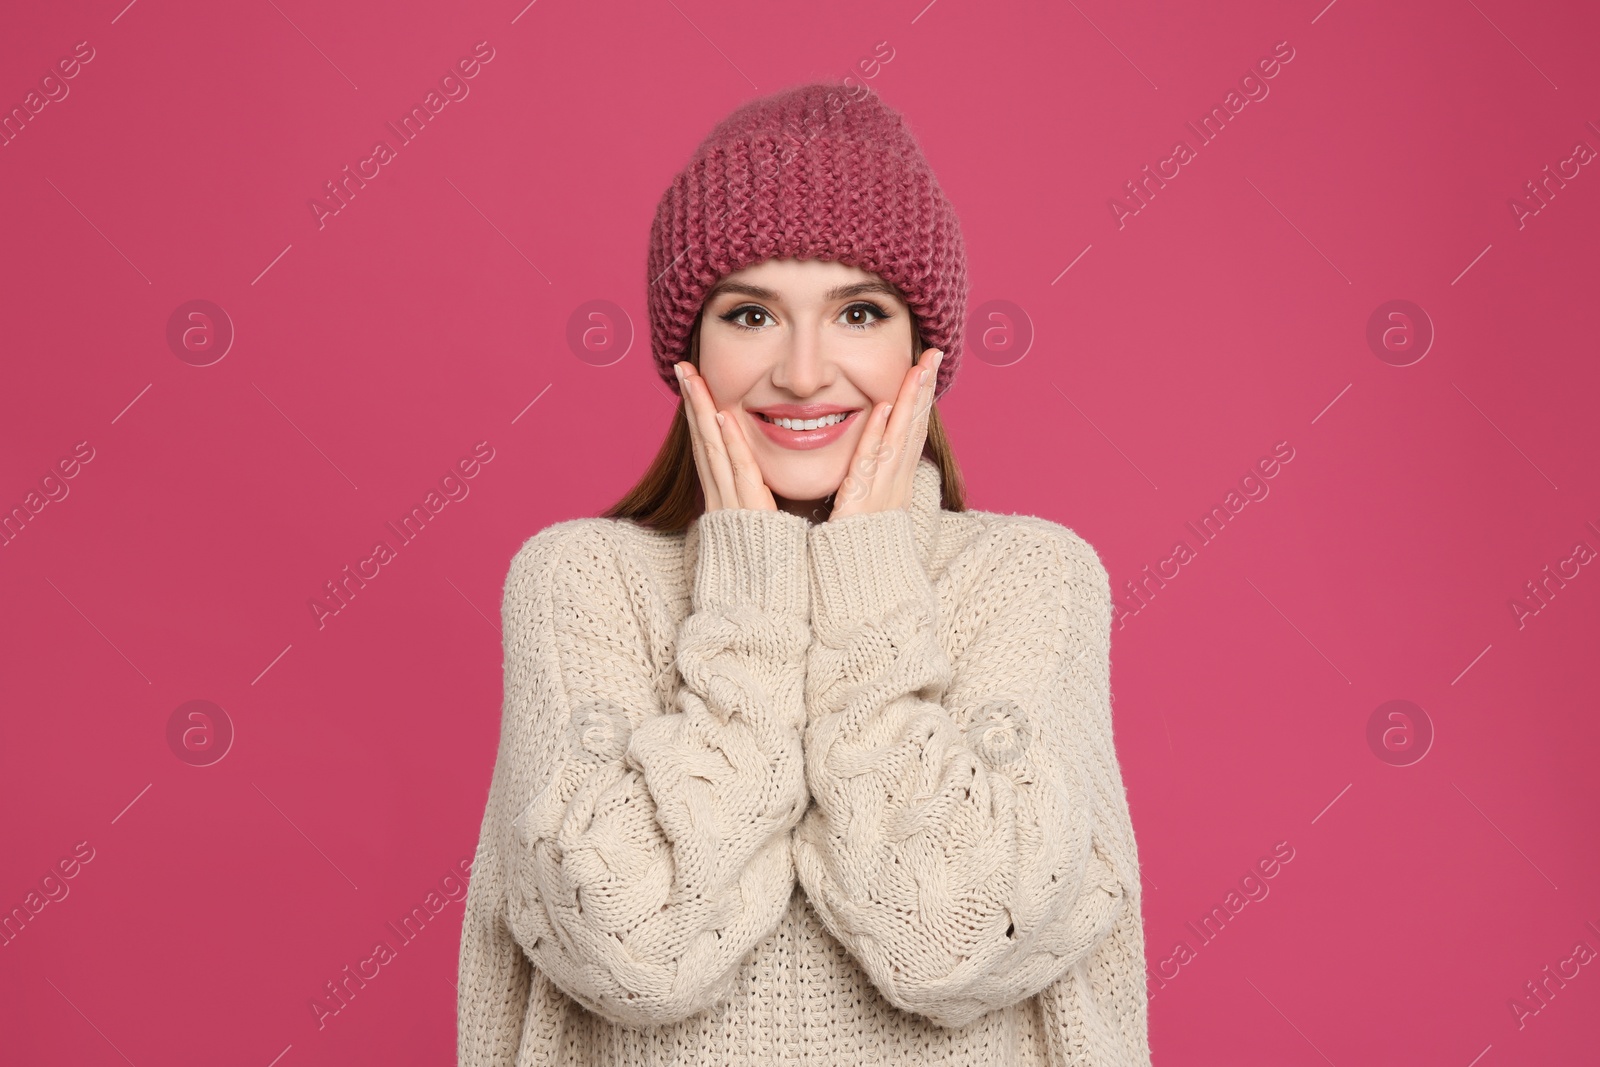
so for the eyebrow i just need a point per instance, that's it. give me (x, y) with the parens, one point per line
(838, 292)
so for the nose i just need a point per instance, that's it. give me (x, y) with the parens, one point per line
(802, 367)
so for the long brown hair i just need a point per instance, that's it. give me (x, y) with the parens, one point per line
(668, 497)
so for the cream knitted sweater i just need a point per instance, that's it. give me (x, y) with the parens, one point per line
(834, 794)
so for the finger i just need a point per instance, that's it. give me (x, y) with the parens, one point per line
(919, 430)
(708, 487)
(905, 411)
(752, 490)
(859, 478)
(721, 468)
(692, 419)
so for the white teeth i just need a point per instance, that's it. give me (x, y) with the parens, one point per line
(810, 424)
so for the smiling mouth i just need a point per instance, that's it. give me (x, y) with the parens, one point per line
(806, 424)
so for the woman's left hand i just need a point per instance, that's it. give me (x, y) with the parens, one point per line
(881, 472)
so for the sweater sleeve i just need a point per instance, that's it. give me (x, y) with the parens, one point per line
(649, 820)
(492, 974)
(969, 840)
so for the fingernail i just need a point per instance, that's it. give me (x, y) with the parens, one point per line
(886, 412)
(720, 419)
(923, 380)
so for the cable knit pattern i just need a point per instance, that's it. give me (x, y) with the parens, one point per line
(656, 854)
(952, 846)
(651, 886)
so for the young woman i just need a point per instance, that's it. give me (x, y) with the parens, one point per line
(801, 760)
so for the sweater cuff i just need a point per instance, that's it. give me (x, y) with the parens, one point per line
(752, 557)
(864, 566)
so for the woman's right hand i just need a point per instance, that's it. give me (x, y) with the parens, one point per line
(729, 475)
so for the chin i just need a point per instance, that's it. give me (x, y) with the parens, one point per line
(811, 478)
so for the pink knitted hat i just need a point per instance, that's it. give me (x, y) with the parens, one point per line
(810, 172)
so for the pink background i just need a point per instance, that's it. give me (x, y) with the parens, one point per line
(432, 312)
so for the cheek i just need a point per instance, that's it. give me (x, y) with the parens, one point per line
(885, 382)
(880, 372)
(728, 381)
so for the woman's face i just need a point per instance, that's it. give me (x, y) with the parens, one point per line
(801, 339)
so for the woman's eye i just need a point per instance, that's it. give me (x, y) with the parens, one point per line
(858, 316)
(863, 315)
(760, 315)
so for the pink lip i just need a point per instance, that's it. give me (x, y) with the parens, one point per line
(802, 440)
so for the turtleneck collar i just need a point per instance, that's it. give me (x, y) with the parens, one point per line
(927, 500)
